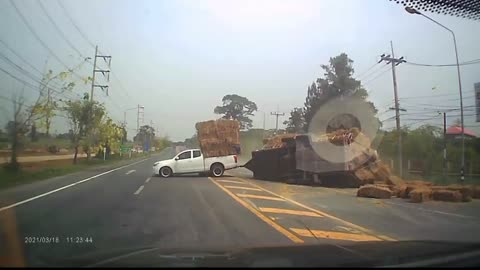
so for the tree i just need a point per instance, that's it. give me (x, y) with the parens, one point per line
(145, 135)
(33, 133)
(46, 107)
(337, 81)
(295, 123)
(238, 108)
(23, 116)
(161, 143)
(110, 136)
(192, 142)
(75, 112)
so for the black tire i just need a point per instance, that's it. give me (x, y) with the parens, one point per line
(217, 170)
(165, 172)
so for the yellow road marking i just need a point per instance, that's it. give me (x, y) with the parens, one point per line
(335, 235)
(230, 181)
(289, 212)
(259, 197)
(247, 188)
(358, 227)
(277, 227)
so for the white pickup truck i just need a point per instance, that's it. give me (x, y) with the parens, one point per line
(192, 161)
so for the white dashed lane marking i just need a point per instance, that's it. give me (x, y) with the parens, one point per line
(139, 190)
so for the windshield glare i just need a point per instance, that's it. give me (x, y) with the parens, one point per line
(239, 133)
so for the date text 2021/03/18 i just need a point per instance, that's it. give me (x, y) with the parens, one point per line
(58, 240)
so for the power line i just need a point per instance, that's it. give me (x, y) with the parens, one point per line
(37, 37)
(27, 73)
(85, 37)
(471, 62)
(75, 25)
(20, 57)
(373, 72)
(429, 96)
(376, 77)
(60, 32)
(22, 81)
(366, 71)
(36, 79)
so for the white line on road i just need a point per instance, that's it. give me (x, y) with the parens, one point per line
(131, 171)
(148, 180)
(139, 190)
(67, 186)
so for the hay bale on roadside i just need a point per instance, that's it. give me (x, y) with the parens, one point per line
(420, 195)
(373, 191)
(476, 192)
(400, 191)
(419, 183)
(467, 192)
(381, 171)
(365, 176)
(395, 180)
(447, 195)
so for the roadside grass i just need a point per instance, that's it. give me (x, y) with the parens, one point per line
(447, 180)
(438, 179)
(36, 171)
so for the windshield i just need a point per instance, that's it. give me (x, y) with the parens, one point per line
(316, 123)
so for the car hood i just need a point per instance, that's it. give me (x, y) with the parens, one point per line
(163, 162)
(365, 254)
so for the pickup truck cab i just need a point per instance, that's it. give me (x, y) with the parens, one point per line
(192, 161)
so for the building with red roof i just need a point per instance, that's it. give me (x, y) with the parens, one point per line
(455, 132)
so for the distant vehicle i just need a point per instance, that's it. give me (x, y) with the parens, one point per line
(193, 161)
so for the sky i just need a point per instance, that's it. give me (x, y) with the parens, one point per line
(178, 58)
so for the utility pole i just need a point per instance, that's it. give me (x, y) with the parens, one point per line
(105, 72)
(395, 62)
(277, 114)
(140, 111)
(444, 143)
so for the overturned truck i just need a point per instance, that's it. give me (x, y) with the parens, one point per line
(296, 161)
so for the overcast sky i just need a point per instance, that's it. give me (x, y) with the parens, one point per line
(179, 58)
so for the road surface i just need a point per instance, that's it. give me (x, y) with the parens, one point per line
(53, 221)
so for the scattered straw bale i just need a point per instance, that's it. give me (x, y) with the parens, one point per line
(372, 191)
(447, 195)
(365, 176)
(419, 183)
(420, 195)
(395, 180)
(476, 192)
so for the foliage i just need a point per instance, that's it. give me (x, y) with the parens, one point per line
(53, 149)
(161, 143)
(237, 108)
(192, 142)
(296, 122)
(337, 81)
(33, 133)
(145, 135)
(425, 145)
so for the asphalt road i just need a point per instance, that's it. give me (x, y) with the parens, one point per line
(126, 207)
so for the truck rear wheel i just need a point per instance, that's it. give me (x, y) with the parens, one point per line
(217, 170)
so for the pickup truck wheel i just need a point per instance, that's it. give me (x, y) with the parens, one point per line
(165, 172)
(217, 170)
